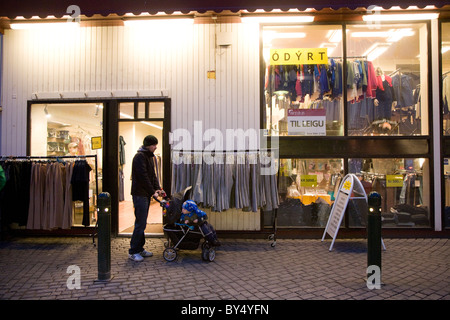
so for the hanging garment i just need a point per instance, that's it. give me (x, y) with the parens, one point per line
(67, 220)
(36, 213)
(15, 201)
(80, 187)
(371, 80)
(122, 144)
(230, 180)
(385, 96)
(404, 87)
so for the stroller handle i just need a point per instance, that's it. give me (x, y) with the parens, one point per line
(184, 224)
(162, 203)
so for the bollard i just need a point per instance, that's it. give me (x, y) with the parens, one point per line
(104, 236)
(374, 240)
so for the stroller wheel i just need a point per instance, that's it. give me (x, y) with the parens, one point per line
(208, 254)
(212, 254)
(170, 254)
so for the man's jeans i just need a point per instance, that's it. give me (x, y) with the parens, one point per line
(141, 206)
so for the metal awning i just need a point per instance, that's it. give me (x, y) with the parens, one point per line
(58, 8)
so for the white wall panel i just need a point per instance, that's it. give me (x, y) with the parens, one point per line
(129, 58)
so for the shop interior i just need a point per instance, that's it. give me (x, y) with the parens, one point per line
(69, 132)
(307, 189)
(131, 135)
(396, 52)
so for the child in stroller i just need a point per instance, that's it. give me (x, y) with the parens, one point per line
(182, 235)
(191, 214)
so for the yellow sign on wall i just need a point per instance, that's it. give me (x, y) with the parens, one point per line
(96, 143)
(298, 56)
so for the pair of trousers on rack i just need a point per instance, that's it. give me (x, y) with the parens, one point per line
(50, 196)
(232, 180)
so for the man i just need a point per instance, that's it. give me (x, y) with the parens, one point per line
(144, 186)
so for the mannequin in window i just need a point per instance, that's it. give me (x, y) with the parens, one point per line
(384, 95)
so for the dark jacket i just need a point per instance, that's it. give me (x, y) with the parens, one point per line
(143, 174)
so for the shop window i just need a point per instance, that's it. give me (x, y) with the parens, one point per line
(126, 110)
(156, 109)
(387, 79)
(303, 88)
(404, 186)
(446, 76)
(67, 129)
(141, 110)
(306, 188)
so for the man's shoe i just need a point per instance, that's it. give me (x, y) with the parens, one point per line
(136, 257)
(146, 254)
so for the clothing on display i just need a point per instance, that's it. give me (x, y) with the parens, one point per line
(122, 144)
(377, 103)
(80, 187)
(229, 180)
(400, 206)
(39, 194)
(302, 205)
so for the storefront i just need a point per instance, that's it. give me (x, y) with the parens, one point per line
(334, 90)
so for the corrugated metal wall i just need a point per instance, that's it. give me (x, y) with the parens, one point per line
(162, 56)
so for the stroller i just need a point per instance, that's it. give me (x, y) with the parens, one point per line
(180, 235)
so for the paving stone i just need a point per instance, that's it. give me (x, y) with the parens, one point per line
(244, 269)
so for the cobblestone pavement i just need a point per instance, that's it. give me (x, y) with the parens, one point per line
(412, 269)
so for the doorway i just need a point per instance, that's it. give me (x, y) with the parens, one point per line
(138, 119)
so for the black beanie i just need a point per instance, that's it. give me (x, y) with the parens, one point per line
(150, 141)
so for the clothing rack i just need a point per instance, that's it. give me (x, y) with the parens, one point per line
(4, 158)
(349, 57)
(394, 72)
(222, 151)
(57, 158)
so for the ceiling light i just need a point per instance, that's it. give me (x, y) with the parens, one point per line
(397, 34)
(368, 34)
(43, 25)
(127, 116)
(148, 22)
(445, 47)
(290, 35)
(269, 35)
(152, 125)
(376, 50)
(334, 35)
(48, 115)
(329, 46)
(278, 19)
(97, 109)
(400, 17)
